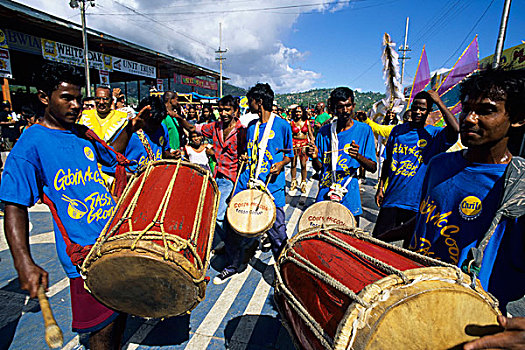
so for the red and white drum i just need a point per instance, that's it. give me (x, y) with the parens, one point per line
(342, 289)
(151, 258)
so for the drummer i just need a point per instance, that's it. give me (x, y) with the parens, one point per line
(56, 162)
(463, 192)
(347, 143)
(271, 162)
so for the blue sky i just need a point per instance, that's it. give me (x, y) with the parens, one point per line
(296, 45)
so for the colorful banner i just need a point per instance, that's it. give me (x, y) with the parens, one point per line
(422, 77)
(466, 64)
(5, 64)
(23, 42)
(512, 58)
(160, 85)
(3, 40)
(192, 81)
(131, 67)
(104, 77)
(58, 52)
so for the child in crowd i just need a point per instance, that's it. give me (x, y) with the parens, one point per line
(198, 152)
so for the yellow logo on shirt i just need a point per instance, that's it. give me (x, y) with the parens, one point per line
(76, 209)
(89, 153)
(272, 134)
(470, 208)
(422, 143)
(161, 140)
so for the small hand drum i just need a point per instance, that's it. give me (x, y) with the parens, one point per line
(251, 213)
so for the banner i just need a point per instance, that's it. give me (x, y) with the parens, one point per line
(23, 42)
(160, 85)
(3, 40)
(422, 77)
(466, 64)
(58, 52)
(512, 58)
(104, 77)
(191, 81)
(5, 64)
(131, 67)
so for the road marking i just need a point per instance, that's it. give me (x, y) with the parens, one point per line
(140, 335)
(47, 237)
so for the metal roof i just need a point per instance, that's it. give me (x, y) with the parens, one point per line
(34, 22)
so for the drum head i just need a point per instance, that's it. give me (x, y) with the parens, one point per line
(327, 214)
(142, 284)
(251, 213)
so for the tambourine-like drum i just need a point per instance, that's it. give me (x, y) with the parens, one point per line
(326, 214)
(151, 258)
(342, 289)
(251, 212)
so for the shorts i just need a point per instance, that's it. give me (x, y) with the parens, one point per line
(88, 314)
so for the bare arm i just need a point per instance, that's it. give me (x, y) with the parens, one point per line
(450, 120)
(132, 126)
(384, 175)
(16, 227)
(404, 231)
(185, 124)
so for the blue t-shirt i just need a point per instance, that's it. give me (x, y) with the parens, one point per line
(159, 142)
(459, 200)
(410, 150)
(280, 139)
(346, 166)
(63, 166)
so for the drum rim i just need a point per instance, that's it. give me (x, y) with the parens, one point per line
(329, 226)
(267, 227)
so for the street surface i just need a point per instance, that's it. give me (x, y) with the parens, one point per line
(239, 314)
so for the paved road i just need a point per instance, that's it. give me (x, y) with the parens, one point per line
(239, 314)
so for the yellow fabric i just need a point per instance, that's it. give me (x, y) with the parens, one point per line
(378, 129)
(458, 146)
(105, 128)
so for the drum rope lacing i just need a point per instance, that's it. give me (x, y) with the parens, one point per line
(171, 242)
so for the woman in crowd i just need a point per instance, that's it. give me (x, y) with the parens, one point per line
(302, 132)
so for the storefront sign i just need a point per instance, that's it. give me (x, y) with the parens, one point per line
(191, 81)
(104, 77)
(58, 52)
(512, 58)
(130, 67)
(160, 85)
(23, 42)
(5, 64)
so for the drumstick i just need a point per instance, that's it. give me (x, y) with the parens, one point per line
(54, 337)
(290, 149)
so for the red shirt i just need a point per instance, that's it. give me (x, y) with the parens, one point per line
(226, 151)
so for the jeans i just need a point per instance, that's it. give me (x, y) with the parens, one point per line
(236, 244)
(225, 188)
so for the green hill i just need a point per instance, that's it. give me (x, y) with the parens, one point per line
(364, 100)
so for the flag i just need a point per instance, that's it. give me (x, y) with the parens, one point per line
(422, 77)
(466, 64)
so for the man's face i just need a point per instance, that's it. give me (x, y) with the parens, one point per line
(206, 112)
(255, 106)
(226, 113)
(319, 108)
(419, 111)
(483, 121)
(344, 109)
(103, 101)
(89, 104)
(174, 101)
(64, 104)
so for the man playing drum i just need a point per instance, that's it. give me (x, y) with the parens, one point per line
(269, 150)
(471, 212)
(347, 143)
(56, 161)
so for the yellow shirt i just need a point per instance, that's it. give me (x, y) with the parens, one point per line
(378, 129)
(105, 128)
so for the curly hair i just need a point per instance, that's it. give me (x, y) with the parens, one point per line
(498, 85)
(264, 93)
(51, 75)
(340, 94)
(423, 95)
(231, 101)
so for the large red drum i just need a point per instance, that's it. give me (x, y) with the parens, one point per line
(342, 289)
(151, 258)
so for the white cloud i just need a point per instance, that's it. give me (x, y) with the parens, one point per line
(188, 29)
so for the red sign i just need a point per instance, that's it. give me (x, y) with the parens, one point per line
(191, 81)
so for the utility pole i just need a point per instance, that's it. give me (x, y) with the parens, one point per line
(502, 33)
(75, 4)
(404, 49)
(220, 58)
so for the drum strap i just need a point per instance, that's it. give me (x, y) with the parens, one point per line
(145, 143)
(511, 205)
(337, 191)
(259, 149)
(75, 251)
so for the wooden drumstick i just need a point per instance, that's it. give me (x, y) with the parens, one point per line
(54, 337)
(238, 176)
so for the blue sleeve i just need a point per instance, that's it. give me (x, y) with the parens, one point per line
(287, 141)
(440, 143)
(105, 156)
(320, 146)
(166, 145)
(20, 182)
(369, 150)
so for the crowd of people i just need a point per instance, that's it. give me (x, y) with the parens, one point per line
(464, 207)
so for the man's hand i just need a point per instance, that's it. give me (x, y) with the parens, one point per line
(174, 154)
(380, 196)
(243, 158)
(277, 168)
(434, 95)
(353, 151)
(312, 151)
(139, 121)
(31, 276)
(116, 92)
(513, 337)
(210, 152)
